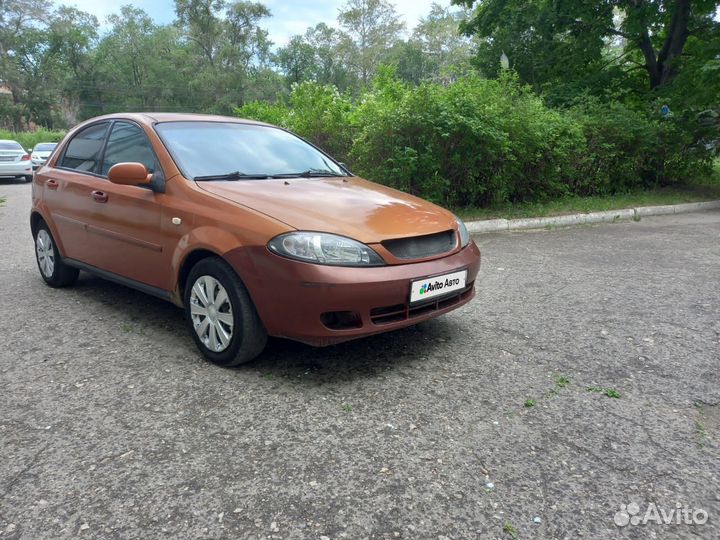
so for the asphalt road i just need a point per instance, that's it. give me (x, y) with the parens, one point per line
(112, 426)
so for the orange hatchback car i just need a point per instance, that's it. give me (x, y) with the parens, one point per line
(251, 229)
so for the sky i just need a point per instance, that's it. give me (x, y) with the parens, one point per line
(290, 17)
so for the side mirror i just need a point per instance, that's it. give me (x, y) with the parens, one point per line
(129, 174)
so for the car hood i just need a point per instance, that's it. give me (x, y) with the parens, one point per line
(43, 155)
(350, 207)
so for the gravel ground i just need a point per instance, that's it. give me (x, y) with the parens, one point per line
(112, 426)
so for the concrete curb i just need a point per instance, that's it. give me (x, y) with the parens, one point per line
(611, 216)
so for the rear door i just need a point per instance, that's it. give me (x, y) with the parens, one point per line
(67, 189)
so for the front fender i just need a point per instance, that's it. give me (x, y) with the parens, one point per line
(202, 239)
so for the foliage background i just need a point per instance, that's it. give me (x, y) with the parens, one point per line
(481, 142)
(28, 139)
(427, 110)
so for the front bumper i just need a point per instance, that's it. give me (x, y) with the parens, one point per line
(291, 297)
(16, 168)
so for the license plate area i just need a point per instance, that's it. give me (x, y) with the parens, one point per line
(434, 287)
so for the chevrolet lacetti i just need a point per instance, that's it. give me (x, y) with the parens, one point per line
(251, 229)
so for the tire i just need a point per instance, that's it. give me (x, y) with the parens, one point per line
(220, 315)
(52, 269)
(28, 178)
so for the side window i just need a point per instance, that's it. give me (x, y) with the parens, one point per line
(83, 151)
(128, 142)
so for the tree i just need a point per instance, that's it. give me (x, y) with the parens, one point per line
(371, 28)
(22, 45)
(72, 39)
(437, 50)
(226, 46)
(132, 70)
(441, 40)
(318, 55)
(566, 39)
(297, 60)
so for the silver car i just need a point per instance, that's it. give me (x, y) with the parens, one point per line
(41, 153)
(15, 161)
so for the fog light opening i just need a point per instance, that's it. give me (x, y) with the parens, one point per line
(341, 320)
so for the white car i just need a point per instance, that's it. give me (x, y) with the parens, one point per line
(41, 153)
(15, 161)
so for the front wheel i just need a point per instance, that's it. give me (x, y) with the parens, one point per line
(221, 316)
(52, 269)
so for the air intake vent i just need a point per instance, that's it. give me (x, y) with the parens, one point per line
(420, 247)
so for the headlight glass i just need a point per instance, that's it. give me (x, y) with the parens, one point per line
(464, 234)
(324, 248)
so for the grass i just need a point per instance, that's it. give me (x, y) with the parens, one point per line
(706, 190)
(561, 381)
(701, 433)
(609, 392)
(510, 529)
(700, 429)
(2, 201)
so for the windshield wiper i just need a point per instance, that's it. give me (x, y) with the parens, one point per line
(311, 173)
(237, 175)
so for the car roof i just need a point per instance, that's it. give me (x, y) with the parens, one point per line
(157, 117)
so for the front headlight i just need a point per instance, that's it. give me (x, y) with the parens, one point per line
(324, 248)
(464, 234)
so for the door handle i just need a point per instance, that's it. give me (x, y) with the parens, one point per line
(52, 184)
(99, 196)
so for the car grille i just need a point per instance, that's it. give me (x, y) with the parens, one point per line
(404, 312)
(420, 247)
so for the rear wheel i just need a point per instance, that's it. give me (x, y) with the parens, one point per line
(221, 316)
(28, 178)
(52, 269)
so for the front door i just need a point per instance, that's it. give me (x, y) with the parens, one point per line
(124, 226)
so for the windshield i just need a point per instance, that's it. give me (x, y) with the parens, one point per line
(10, 145)
(45, 147)
(241, 151)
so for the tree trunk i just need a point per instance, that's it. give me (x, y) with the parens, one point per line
(660, 65)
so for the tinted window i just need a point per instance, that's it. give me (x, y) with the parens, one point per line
(215, 148)
(128, 143)
(45, 147)
(83, 152)
(10, 145)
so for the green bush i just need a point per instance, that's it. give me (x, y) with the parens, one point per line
(319, 113)
(473, 143)
(627, 150)
(28, 139)
(479, 142)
